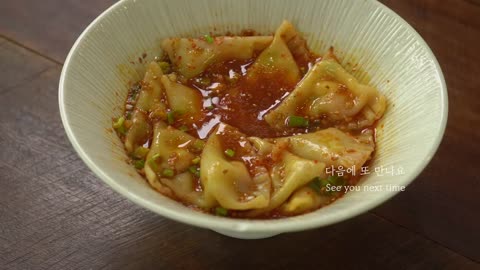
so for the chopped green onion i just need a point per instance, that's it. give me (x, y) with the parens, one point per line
(183, 128)
(208, 38)
(336, 180)
(229, 152)
(316, 185)
(168, 173)
(165, 66)
(220, 211)
(196, 160)
(120, 121)
(139, 164)
(170, 117)
(119, 125)
(297, 121)
(210, 107)
(198, 145)
(141, 152)
(152, 162)
(195, 170)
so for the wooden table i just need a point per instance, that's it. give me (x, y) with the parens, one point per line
(55, 214)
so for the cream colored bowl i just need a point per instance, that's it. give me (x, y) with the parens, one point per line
(399, 63)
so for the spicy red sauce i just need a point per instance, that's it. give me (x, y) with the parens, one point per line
(232, 98)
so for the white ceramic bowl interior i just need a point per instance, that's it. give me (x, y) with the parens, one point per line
(398, 62)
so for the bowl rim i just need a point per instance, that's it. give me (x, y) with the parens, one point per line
(288, 224)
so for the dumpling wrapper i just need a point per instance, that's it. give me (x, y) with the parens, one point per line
(183, 187)
(171, 147)
(224, 181)
(332, 147)
(302, 200)
(183, 100)
(149, 97)
(277, 58)
(329, 93)
(171, 143)
(287, 176)
(152, 88)
(192, 56)
(301, 158)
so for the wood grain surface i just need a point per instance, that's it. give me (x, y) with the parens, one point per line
(55, 214)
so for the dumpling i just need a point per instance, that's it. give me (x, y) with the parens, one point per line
(330, 95)
(169, 151)
(152, 88)
(300, 52)
(149, 97)
(184, 187)
(299, 159)
(227, 181)
(277, 58)
(332, 147)
(171, 147)
(288, 174)
(192, 56)
(262, 146)
(302, 200)
(139, 133)
(184, 101)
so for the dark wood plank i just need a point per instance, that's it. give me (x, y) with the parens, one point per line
(443, 203)
(55, 214)
(18, 60)
(49, 26)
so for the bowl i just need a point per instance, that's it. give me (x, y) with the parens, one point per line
(372, 42)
